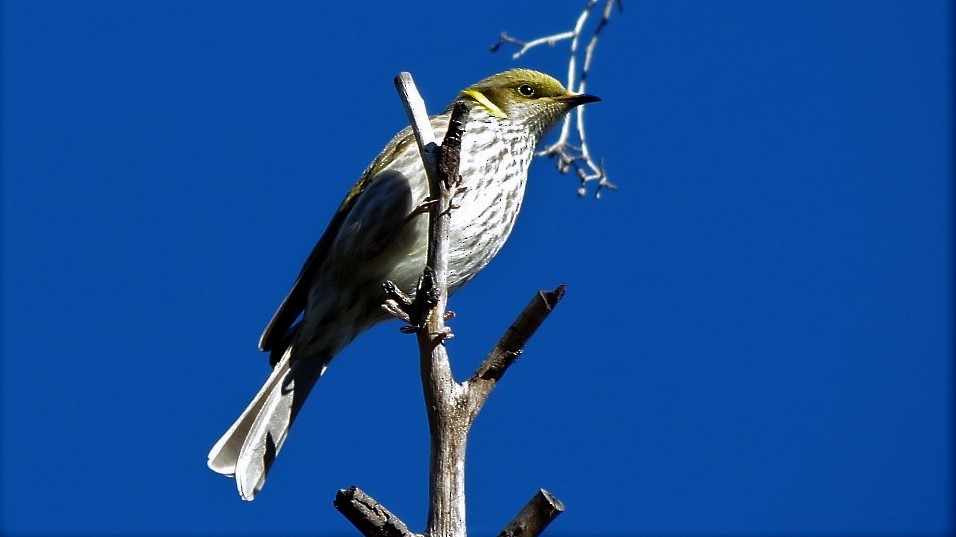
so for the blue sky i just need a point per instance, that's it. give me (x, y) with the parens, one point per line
(757, 335)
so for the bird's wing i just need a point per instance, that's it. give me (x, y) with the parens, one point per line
(294, 304)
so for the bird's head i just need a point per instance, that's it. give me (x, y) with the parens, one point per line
(525, 97)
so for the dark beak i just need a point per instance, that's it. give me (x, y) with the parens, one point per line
(577, 99)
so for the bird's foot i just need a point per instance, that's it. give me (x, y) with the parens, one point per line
(397, 303)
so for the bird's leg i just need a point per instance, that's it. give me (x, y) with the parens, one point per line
(426, 298)
(411, 311)
(458, 192)
(421, 209)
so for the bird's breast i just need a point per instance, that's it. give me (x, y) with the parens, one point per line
(494, 170)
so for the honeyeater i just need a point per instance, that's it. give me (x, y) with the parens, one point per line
(378, 233)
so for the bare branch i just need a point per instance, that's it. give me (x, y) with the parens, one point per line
(446, 512)
(576, 155)
(418, 116)
(549, 40)
(450, 406)
(368, 516)
(427, 312)
(510, 346)
(535, 516)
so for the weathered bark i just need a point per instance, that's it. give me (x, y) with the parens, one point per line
(371, 519)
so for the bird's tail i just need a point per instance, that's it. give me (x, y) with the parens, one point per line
(252, 443)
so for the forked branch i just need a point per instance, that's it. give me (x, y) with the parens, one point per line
(451, 406)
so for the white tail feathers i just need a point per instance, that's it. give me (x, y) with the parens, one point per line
(252, 443)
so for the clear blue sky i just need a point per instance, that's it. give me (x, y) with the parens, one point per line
(757, 336)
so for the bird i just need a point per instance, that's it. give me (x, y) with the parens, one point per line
(379, 234)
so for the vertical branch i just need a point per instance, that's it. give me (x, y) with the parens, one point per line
(450, 406)
(446, 513)
(443, 395)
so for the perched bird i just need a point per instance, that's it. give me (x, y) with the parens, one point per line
(377, 234)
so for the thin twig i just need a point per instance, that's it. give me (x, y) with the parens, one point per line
(570, 154)
(549, 40)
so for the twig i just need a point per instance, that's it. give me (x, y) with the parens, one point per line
(549, 40)
(446, 512)
(569, 154)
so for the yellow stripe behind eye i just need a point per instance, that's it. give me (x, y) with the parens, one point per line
(480, 97)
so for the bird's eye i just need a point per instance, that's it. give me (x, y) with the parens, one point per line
(526, 89)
